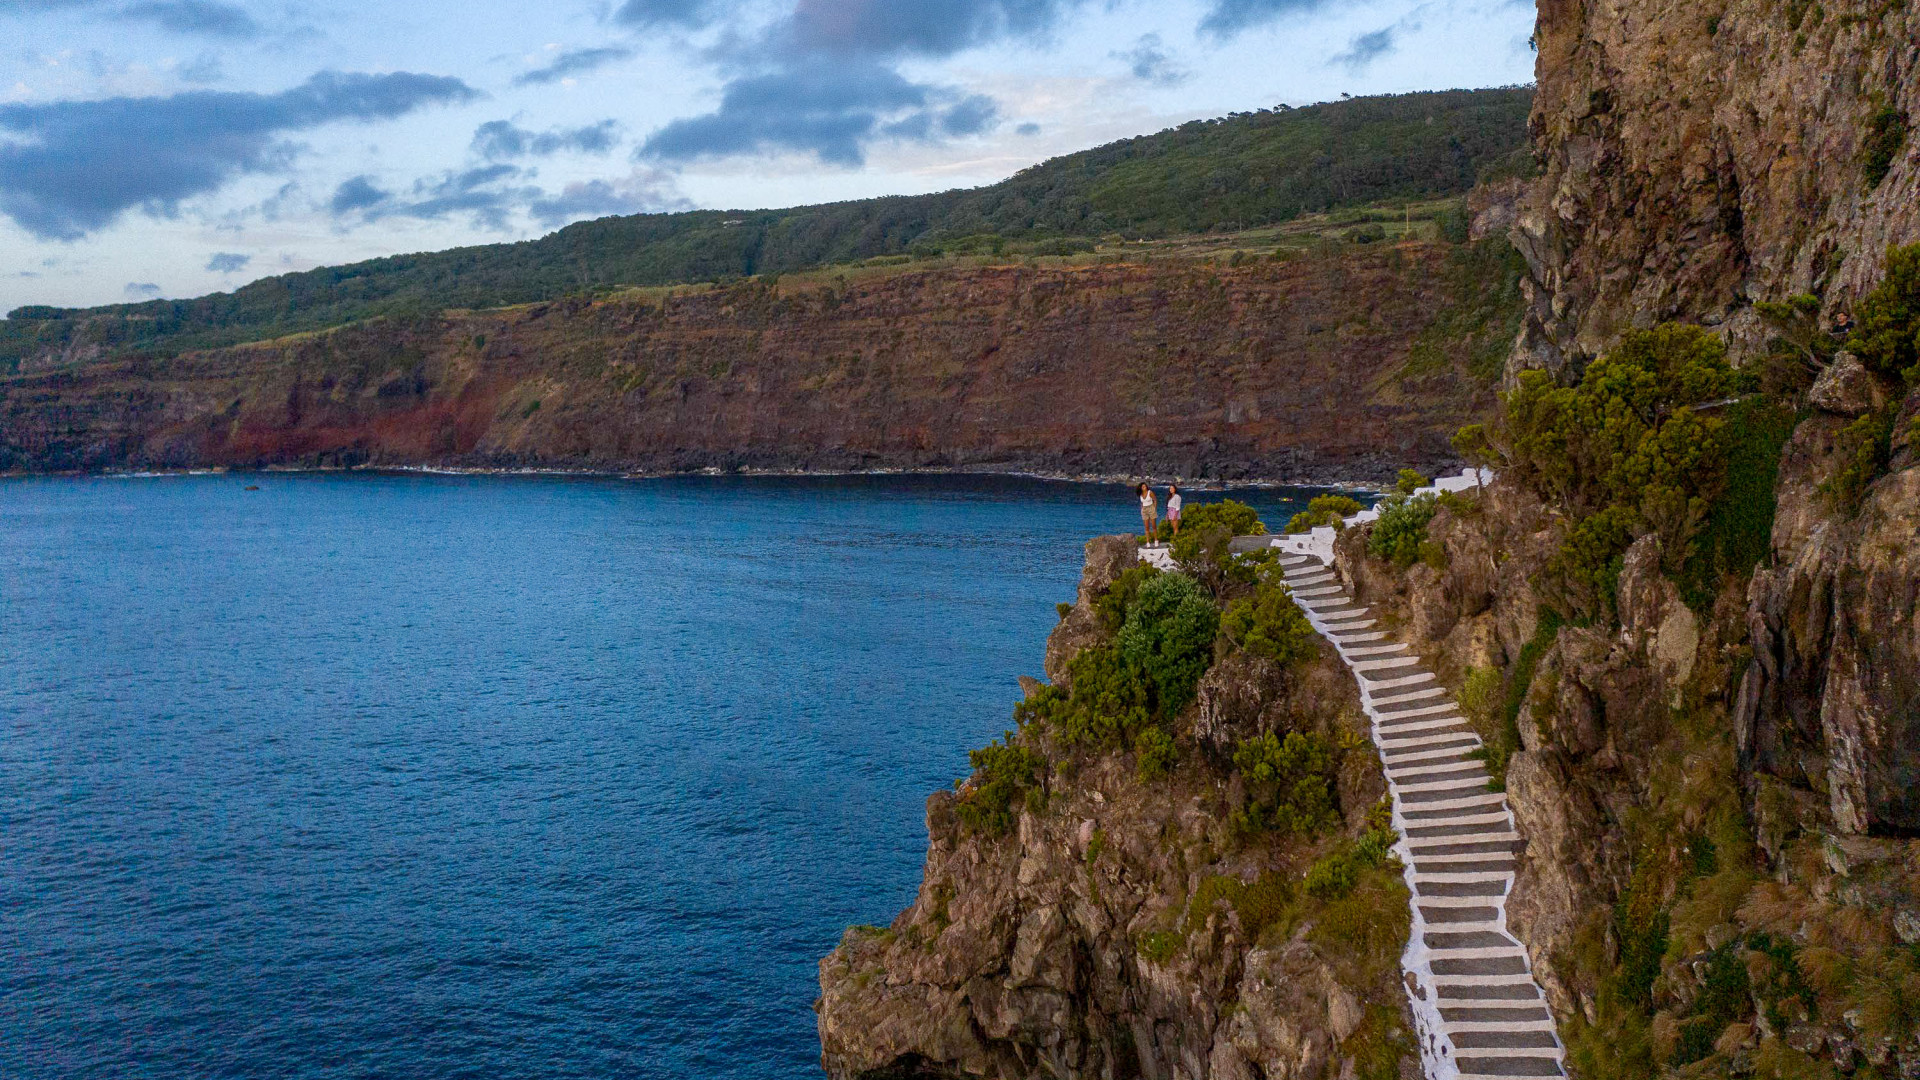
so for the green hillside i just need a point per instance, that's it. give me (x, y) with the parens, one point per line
(1236, 172)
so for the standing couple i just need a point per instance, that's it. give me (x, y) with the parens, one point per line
(1150, 513)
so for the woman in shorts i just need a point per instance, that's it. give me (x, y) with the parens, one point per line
(1149, 513)
(1173, 507)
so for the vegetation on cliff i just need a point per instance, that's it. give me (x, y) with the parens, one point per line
(1230, 173)
(1230, 888)
(1658, 617)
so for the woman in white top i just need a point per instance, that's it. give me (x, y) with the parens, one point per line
(1149, 513)
(1173, 508)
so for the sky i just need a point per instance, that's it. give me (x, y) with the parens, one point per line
(170, 148)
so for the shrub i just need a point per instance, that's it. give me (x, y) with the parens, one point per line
(1154, 753)
(1799, 347)
(1289, 782)
(1108, 707)
(1623, 451)
(1260, 903)
(1236, 517)
(1006, 775)
(1324, 510)
(1334, 875)
(1168, 636)
(1475, 443)
(1111, 606)
(1206, 532)
(1158, 946)
(1886, 334)
(1886, 134)
(1738, 532)
(1867, 442)
(1401, 528)
(1410, 481)
(1269, 624)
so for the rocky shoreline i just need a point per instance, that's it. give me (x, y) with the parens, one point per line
(1194, 483)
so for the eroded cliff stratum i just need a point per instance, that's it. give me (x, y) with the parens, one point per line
(1328, 364)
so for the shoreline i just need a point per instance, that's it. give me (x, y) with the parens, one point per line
(1109, 479)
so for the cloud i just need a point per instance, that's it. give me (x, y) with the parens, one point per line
(646, 191)
(227, 262)
(1028, 128)
(916, 27)
(1228, 17)
(75, 166)
(1150, 62)
(482, 193)
(205, 17)
(824, 79)
(572, 62)
(829, 110)
(141, 290)
(500, 140)
(202, 70)
(1364, 49)
(690, 14)
(357, 194)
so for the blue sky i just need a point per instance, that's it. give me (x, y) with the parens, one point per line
(178, 147)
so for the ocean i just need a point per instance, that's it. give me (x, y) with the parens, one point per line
(401, 775)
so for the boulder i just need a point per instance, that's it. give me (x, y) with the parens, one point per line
(1847, 388)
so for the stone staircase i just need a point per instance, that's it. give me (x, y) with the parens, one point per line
(1479, 1010)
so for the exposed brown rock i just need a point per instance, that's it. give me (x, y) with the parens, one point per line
(1846, 388)
(1282, 370)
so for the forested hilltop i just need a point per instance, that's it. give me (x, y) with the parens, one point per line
(1228, 174)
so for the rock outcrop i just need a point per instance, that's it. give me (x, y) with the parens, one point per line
(1700, 158)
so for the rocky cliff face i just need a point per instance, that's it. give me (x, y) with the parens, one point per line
(1731, 781)
(1280, 370)
(1701, 157)
(1122, 928)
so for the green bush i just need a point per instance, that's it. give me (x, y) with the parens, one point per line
(1799, 348)
(1289, 783)
(1168, 637)
(1154, 752)
(1111, 605)
(1324, 510)
(1206, 533)
(1867, 444)
(1006, 775)
(1886, 134)
(1334, 875)
(1108, 707)
(1623, 451)
(1410, 481)
(1738, 532)
(1269, 624)
(1886, 334)
(1236, 517)
(1260, 903)
(1165, 627)
(1401, 528)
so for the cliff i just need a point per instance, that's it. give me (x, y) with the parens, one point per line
(1134, 920)
(1339, 364)
(1699, 158)
(1682, 622)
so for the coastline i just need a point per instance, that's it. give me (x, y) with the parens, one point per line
(1122, 479)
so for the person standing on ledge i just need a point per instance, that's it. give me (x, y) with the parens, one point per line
(1149, 514)
(1173, 507)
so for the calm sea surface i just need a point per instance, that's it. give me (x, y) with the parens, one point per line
(418, 776)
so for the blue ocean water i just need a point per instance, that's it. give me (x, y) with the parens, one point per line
(425, 776)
